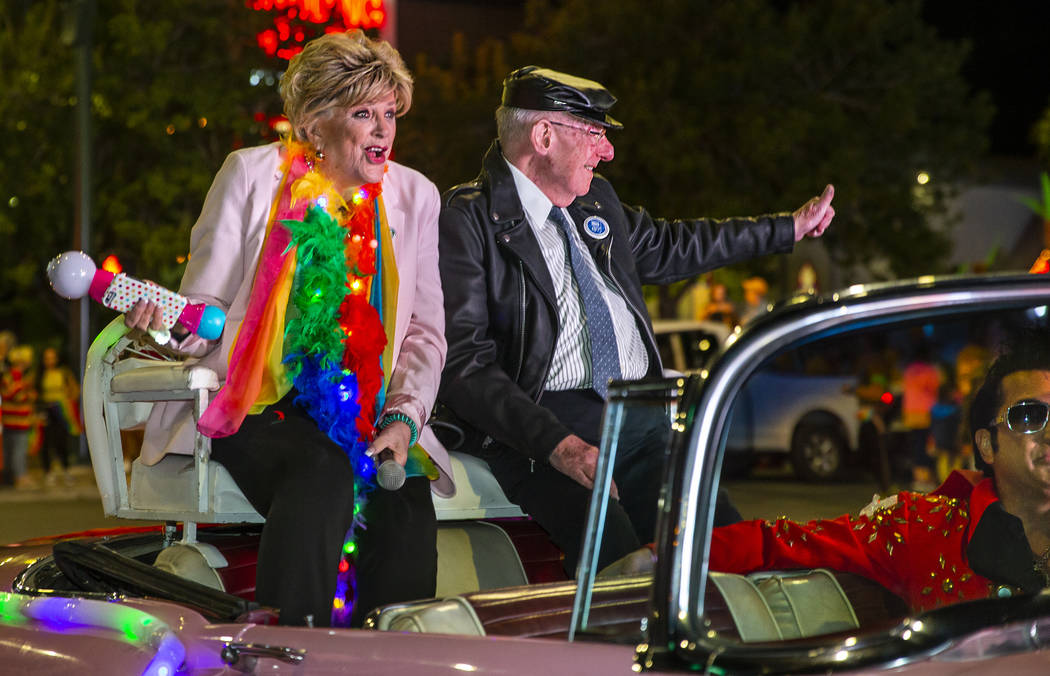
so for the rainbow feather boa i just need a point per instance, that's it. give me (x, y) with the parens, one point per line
(334, 343)
(334, 346)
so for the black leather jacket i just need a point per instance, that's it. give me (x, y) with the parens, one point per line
(501, 318)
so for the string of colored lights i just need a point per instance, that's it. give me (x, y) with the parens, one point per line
(144, 631)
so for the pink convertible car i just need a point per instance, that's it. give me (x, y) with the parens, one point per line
(179, 599)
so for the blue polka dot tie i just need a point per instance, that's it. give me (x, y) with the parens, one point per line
(605, 359)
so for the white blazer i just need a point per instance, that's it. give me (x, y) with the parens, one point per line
(224, 250)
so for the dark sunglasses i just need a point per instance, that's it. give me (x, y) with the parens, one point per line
(1025, 417)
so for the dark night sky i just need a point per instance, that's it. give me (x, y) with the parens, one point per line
(1010, 59)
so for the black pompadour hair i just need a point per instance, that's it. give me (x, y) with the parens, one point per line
(1026, 350)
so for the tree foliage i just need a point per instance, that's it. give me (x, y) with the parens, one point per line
(170, 98)
(730, 108)
(741, 107)
(451, 122)
(36, 173)
(1040, 135)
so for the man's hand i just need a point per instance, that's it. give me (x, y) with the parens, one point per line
(394, 436)
(814, 217)
(578, 460)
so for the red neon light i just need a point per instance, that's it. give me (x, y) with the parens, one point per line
(268, 41)
(112, 264)
(292, 25)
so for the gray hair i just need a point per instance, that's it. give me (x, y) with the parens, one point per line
(513, 126)
(341, 70)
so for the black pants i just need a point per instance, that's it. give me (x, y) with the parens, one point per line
(56, 438)
(560, 505)
(303, 483)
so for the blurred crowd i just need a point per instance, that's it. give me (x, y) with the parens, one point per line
(913, 387)
(719, 307)
(41, 415)
(915, 394)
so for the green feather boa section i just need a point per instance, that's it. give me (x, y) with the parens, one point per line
(318, 290)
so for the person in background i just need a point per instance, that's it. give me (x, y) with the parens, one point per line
(719, 308)
(59, 394)
(945, 419)
(18, 394)
(755, 302)
(971, 365)
(876, 374)
(7, 341)
(921, 383)
(323, 253)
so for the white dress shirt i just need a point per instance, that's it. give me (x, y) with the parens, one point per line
(571, 365)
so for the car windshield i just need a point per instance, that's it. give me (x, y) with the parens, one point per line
(821, 429)
(811, 429)
(635, 414)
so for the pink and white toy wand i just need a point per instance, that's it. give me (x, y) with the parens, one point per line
(73, 275)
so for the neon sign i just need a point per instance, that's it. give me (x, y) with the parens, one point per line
(298, 21)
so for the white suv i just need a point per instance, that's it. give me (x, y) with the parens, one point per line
(789, 407)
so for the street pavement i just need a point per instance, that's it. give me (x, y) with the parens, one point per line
(53, 509)
(77, 483)
(772, 498)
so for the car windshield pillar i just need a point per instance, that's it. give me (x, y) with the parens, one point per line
(630, 405)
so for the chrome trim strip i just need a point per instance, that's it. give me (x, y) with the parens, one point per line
(244, 656)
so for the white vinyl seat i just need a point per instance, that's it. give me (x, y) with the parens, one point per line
(121, 383)
(478, 495)
(780, 605)
(765, 606)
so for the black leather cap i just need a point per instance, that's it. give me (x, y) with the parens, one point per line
(535, 88)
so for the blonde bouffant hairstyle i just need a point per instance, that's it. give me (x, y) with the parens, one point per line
(338, 71)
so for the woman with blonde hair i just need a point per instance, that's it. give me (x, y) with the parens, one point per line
(322, 251)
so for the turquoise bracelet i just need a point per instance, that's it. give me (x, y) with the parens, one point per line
(390, 418)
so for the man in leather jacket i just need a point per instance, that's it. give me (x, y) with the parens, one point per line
(530, 350)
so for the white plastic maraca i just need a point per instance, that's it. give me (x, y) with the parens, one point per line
(70, 274)
(73, 275)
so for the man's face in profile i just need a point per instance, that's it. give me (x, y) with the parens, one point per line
(577, 147)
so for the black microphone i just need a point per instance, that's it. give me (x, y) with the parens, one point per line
(390, 474)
